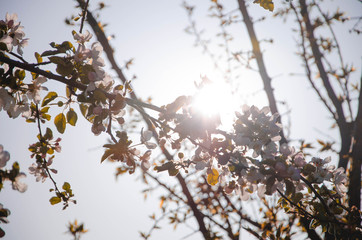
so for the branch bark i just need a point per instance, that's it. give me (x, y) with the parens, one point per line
(109, 52)
(260, 62)
(345, 129)
(354, 191)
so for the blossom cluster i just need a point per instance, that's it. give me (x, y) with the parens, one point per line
(123, 151)
(250, 159)
(247, 160)
(98, 84)
(14, 175)
(12, 34)
(40, 151)
(255, 129)
(100, 101)
(14, 93)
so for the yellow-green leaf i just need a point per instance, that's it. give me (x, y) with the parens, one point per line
(64, 70)
(266, 4)
(49, 53)
(83, 108)
(60, 122)
(48, 134)
(34, 75)
(173, 172)
(46, 116)
(48, 98)
(50, 151)
(39, 59)
(99, 96)
(66, 45)
(44, 109)
(66, 186)
(72, 117)
(213, 177)
(20, 74)
(55, 200)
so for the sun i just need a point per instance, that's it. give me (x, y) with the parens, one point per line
(214, 98)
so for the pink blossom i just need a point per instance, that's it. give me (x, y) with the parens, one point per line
(145, 164)
(299, 160)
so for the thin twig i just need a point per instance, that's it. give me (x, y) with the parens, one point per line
(84, 13)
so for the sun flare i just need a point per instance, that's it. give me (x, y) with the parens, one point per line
(213, 99)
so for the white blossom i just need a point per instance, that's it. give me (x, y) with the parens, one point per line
(8, 41)
(5, 99)
(340, 179)
(19, 186)
(20, 107)
(82, 37)
(4, 156)
(36, 87)
(39, 172)
(145, 137)
(145, 164)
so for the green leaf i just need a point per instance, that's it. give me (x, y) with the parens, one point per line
(60, 122)
(72, 117)
(55, 200)
(48, 98)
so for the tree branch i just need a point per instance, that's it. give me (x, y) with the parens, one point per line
(261, 65)
(109, 52)
(344, 127)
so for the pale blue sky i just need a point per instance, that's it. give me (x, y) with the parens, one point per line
(166, 64)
